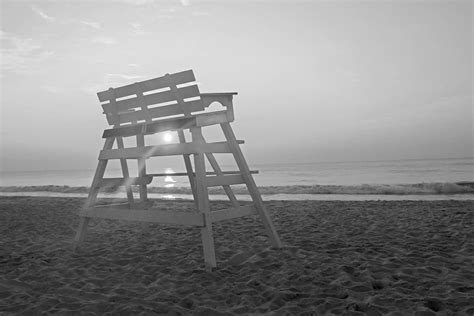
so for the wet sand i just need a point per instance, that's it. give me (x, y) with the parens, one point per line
(340, 257)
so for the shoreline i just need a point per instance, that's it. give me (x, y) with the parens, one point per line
(423, 188)
(266, 197)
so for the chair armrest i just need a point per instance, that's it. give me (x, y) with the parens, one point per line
(224, 98)
(219, 93)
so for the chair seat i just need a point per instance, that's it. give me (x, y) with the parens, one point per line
(172, 124)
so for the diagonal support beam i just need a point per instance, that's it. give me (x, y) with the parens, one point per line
(251, 186)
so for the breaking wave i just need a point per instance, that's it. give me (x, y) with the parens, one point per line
(379, 189)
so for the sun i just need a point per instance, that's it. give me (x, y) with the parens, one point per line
(167, 137)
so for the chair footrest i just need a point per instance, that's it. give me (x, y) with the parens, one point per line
(122, 211)
(209, 173)
(141, 205)
(116, 182)
(234, 212)
(216, 181)
(151, 215)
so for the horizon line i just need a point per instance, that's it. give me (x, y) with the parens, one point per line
(271, 163)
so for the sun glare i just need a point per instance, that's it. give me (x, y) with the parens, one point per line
(167, 137)
(169, 179)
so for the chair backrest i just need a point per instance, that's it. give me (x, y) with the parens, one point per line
(170, 95)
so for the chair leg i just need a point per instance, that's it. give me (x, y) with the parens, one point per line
(251, 186)
(142, 169)
(207, 239)
(189, 168)
(125, 173)
(92, 197)
(203, 204)
(81, 232)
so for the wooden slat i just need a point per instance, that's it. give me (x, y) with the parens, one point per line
(216, 181)
(164, 150)
(115, 182)
(148, 85)
(232, 213)
(174, 124)
(162, 111)
(150, 99)
(154, 216)
(177, 174)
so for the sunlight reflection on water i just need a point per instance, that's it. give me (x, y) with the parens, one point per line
(169, 179)
(169, 197)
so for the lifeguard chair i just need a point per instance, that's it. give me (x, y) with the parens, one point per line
(171, 103)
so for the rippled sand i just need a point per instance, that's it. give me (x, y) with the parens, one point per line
(354, 258)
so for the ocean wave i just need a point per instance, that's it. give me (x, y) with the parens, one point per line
(379, 189)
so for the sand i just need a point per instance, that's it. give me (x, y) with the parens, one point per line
(352, 258)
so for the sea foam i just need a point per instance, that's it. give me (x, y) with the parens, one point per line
(379, 189)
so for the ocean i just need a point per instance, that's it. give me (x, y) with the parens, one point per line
(397, 177)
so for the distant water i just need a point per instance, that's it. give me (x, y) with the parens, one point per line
(339, 173)
(386, 180)
(272, 197)
(376, 172)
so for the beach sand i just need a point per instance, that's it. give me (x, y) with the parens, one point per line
(340, 257)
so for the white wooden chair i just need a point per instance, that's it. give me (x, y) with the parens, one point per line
(176, 106)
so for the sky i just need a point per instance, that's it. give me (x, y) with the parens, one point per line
(317, 81)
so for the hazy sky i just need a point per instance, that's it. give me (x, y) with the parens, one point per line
(317, 81)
